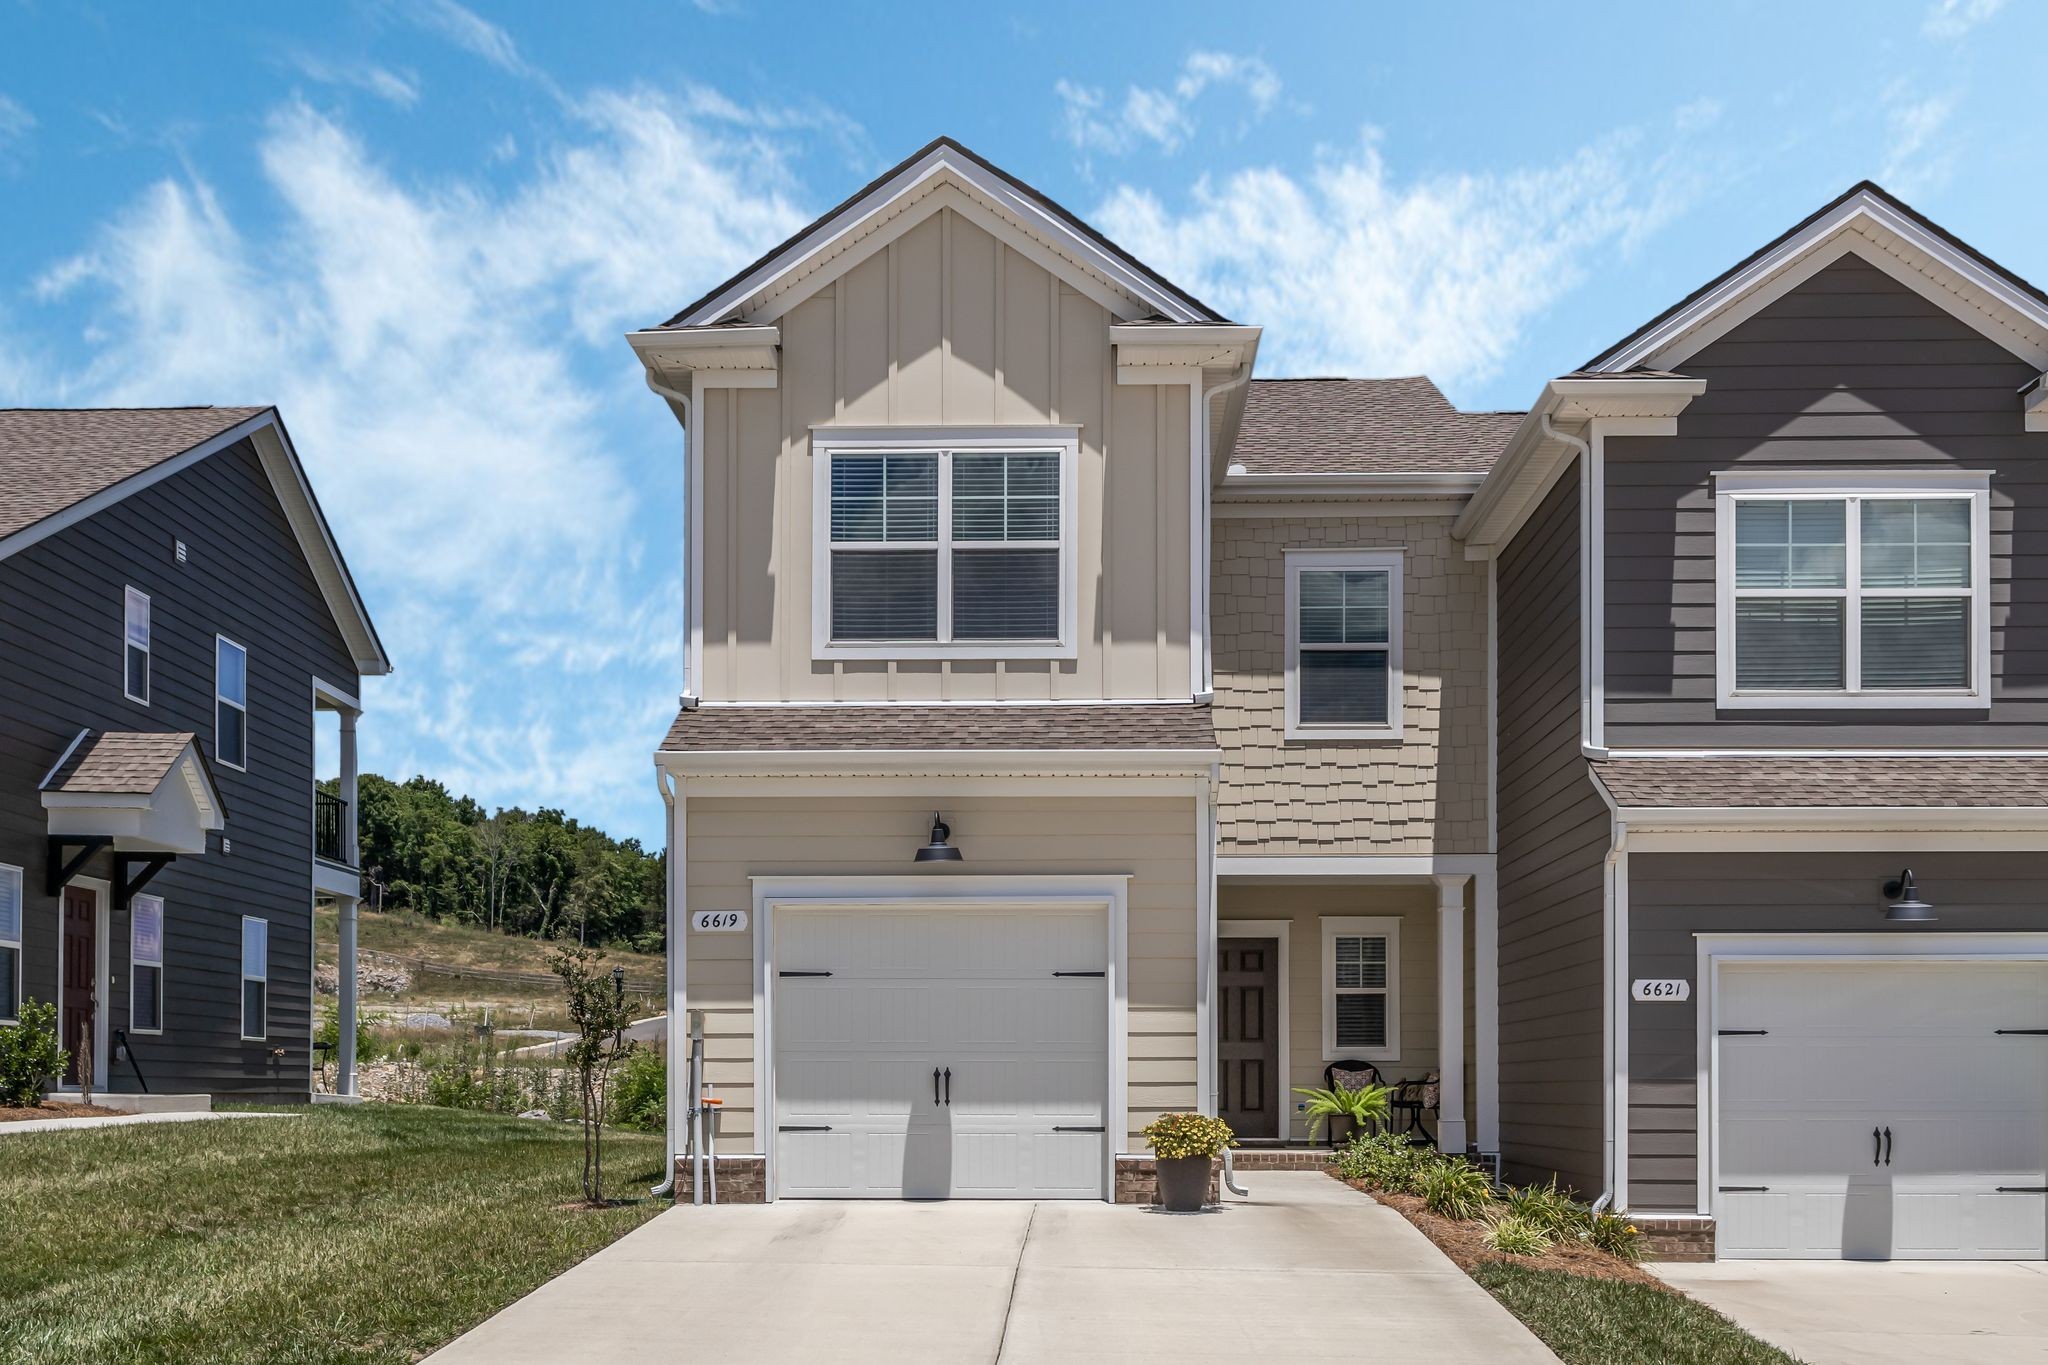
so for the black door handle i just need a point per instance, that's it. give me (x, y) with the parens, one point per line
(949, 1087)
(935, 1085)
(1887, 1146)
(1876, 1146)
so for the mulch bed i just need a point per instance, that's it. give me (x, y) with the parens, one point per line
(54, 1109)
(1465, 1244)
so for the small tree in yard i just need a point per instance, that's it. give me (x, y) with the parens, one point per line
(598, 1011)
(29, 1055)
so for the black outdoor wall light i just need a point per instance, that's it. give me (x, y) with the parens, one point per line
(938, 850)
(1906, 906)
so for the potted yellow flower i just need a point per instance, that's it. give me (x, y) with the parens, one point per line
(1185, 1147)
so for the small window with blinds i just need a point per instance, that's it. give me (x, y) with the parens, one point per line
(1866, 597)
(146, 964)
(10, 944)
(952, 550)
(1343, 644)
(1361, 989)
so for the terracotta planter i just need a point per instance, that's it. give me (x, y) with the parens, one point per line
(1184, 1182)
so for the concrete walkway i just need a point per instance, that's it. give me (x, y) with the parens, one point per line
(1882, 1313)
(123, 1120)
(1306, 1269)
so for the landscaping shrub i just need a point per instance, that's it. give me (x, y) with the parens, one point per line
(30, 1055)
(1512, 1235)
(1553, 1212)
(1385, 1161)
(1614, 1234)
(640, 1092)
(329, 1037)
(1456, 1190)
(1362, 1108)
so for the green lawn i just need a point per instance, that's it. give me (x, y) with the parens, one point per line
(1605, 1322)
(368, 1233)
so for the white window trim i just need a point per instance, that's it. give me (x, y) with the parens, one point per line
(1393, 562)
(1729, 488)
(245, 978)
(20, 931)
(163, 944)
(1063, 441)
(129, 595)
(1388, 927)
(219, 701)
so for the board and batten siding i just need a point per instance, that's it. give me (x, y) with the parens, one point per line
(1425, 793)
(1851, 370)
(946, 326)
(1674, 896)
(732, 840)
(61, 612)
(1554, 836)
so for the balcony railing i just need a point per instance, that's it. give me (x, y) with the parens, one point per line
(330, 828)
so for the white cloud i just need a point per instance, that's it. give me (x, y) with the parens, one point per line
(471, 32)
(16, 123)
(1954, 18)
(395, 87)
(1914, 159)
(1354, 272)
(1162, 117)
(448, 359)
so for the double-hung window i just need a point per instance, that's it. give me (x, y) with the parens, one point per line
(1343, 643)
(1361, 988)
(1834, 593)
(146, 964)
(962, 547)
(135, 645)
(230, 703)
(255, 978)
(10, 944)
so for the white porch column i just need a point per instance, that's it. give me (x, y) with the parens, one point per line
(349, 849)
(345, 1042)
(1450, 1010)
(1486, 1010)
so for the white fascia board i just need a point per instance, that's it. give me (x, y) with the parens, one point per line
(1142, 348)
(1405, 866)
(1377, 484)
(709, 350)
(939, 762)
(1898, 819)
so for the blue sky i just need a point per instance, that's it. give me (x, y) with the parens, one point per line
(421, 230)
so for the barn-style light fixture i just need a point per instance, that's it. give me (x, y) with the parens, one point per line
(938, 850)
(1906, 906)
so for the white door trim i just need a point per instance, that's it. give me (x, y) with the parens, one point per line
(1279, 929)
(102, 1018)
(1108, 892)
(1713, 951)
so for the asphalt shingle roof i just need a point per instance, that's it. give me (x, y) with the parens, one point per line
(1365, 426)
(1793, 783)
(51, 458)
(727, 729)
(119, 762)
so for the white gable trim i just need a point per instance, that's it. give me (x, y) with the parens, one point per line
(1876, 232)
(940, 179)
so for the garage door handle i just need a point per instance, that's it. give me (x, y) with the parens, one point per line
(1743, 1189)
(1887, 1146)
(949, 1087)
(1876, 1146)
(935, 1085)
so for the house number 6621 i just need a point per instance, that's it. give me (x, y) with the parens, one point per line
(1664, 989)
(718, 921)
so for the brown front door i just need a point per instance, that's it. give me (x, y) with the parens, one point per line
(1248, 1035)
(81, 967)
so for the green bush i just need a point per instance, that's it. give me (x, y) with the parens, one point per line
(1512, 1235)
(1364, 1106)
(1456, 1190)
(1385, 1161)
(30, 1055)
(640, 1092)
(329, 1037)
(1614, 1234)
(1550, 1210)
(1173, 1136)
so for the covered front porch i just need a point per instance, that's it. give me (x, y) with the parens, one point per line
(1381, 965)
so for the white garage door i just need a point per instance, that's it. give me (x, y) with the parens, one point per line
(941, 1052)
(1873, 1111)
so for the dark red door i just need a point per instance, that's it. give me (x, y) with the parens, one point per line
(81, 968)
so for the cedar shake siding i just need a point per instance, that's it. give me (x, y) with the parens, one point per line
(1425, 793)
(1850, 370)
(1673, 896)
(1553, 839)
(61, 614)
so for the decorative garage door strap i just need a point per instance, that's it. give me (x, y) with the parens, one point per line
(1743, 1032)
(2021, 1032)
(803, 973)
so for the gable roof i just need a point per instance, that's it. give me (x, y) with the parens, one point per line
(1881, 228)
(1063, 231)
(119, 762)
(1364, 426)
(59, 466)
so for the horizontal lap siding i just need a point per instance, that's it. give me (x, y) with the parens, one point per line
(1675, 896)
(732, 840)
(61, 610)
(1850, 370)
(1289, 797)
(1553, 839)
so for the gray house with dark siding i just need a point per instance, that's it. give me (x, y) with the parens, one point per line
(174, 612)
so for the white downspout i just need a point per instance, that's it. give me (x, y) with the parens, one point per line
(1614, 997)
(669, 786)
(1204, 667)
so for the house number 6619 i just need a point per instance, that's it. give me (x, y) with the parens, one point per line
(718, 921)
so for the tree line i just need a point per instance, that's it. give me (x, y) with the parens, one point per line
(536, 873)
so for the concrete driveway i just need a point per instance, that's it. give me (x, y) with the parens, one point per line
(1306, 1269)
(1882, 1313)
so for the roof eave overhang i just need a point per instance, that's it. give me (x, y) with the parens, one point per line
(316, 539)
(1889, 819)
(939, 762)
(1182, 347)
(1239, 485)
(674, 357)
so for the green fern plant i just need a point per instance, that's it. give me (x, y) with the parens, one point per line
(1456, 1190)
(1364, 1106)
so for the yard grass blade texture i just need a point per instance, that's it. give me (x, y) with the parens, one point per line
(1606, 1322)
(367, 1233)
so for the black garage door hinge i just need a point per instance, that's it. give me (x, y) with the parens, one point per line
(803, 973)
(1743, 1189)
(2023, 1189)
(1078, 973)
(1742, 1032)
(2021, 1032)
(803, 1128)
(1098, 1128)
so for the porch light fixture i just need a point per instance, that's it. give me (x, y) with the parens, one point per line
(938, 850)
(1906, 906)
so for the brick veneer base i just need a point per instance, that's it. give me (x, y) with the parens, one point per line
(1137, 1181)
(1675, 1239)
(1282, 1159)
(741, 1180)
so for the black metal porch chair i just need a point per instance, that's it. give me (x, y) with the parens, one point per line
(1351, 1074)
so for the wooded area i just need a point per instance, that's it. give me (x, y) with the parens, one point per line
(536, 873)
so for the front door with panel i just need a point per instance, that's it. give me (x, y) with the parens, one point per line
(81, 972)
(940, 1052)
(1248, 1035)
